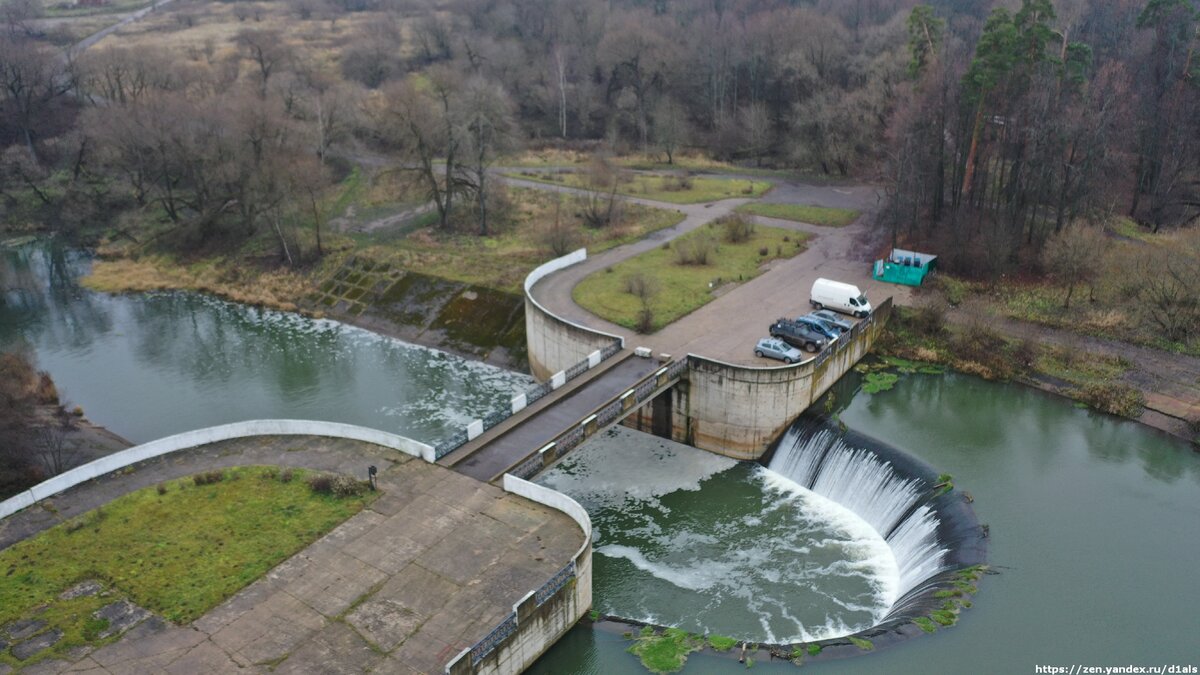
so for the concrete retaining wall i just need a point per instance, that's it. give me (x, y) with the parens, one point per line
(198, 437)
(555, 343)
(738, 411)
(538, 626)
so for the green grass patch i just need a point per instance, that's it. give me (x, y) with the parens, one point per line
(813, 649)
(816, 215)
(873, 383)
(944, 617)
(721, 643)
(680, 289)
(663, 188)
(925, 623)
(862, 643)
(665, 652)
(178, 553)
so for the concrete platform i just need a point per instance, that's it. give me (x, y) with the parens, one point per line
(428, 569)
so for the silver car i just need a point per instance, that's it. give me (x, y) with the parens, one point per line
(775, 348)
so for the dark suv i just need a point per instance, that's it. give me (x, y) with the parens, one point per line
(798, 335)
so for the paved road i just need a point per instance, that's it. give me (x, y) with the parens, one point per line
(515, 444)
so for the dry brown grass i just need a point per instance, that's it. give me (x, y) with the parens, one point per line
(278, 289)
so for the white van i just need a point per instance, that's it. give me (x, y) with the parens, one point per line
(845, 298)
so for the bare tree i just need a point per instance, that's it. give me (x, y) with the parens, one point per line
(268, 50)
(32, 78)
(671, 129)
(488, 130)
(1074, 256)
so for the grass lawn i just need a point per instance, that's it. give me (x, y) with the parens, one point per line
(817, 215)
(178, 554)
(662, 188)
(682, 288)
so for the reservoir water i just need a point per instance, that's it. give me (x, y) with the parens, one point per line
(151, 365)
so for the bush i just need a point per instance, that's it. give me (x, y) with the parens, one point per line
(286, 476)
(737, 229)
(930, 319)
(338, 485)
(641, 285)
(1113, 398)
(695, 250)
(208, 477)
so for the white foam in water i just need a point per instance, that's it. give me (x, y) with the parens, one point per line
(766, 560)
(875, 558)
(870, 487)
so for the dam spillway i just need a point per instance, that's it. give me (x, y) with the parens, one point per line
(929, 528)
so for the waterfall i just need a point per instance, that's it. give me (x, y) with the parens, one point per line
(815, 455)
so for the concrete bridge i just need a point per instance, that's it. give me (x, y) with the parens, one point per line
(593, 380)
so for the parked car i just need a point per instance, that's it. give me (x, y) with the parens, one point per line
(835, 295)
(831, 318)
(798, 335)
(777, 349)
(820, 326)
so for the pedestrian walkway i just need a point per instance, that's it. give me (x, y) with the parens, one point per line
(425, 571)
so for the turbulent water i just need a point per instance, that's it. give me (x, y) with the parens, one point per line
(816, 457)
(690, 539)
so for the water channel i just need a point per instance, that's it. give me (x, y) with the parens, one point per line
(1094, 521)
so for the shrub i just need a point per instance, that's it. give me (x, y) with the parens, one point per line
(162, 488)
(645, 321)
(695, 250)
(764, 251)
(1113, 398)
(286, 476)
(208, 477)
(930, 319)
(348, 486)
(338, 485)
(641, 285)
(736, 228)
(321, 483)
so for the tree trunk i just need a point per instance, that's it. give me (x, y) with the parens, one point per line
(976, 132)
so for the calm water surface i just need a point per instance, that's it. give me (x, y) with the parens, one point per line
(150, 365)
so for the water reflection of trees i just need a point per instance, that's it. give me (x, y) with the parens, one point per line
(998, 424)
(43, 303)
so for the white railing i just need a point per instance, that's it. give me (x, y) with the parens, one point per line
(198, 437)
(546, 269)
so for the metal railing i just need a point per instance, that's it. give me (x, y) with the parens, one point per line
(556, 582)
(493, 639)
(605, 415)
(459, 438)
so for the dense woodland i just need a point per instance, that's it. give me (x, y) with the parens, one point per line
(993, 126)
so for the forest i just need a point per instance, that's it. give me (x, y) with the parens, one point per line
(995, 130)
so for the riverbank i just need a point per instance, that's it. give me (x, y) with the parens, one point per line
(417, 308)
(1158, 389)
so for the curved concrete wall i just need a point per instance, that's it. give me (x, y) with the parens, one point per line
(198, 437)
(738, 411)
(556, 343)
(538, 626)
